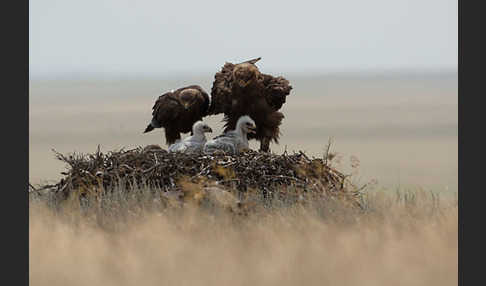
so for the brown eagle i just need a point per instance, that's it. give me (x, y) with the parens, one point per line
(176, 111)
(241, 89)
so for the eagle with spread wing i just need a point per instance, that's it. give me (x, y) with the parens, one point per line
(241, 89)
(177, 111)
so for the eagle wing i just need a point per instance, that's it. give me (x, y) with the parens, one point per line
(229, 134)
(276, 90)
(166, 108)
(252, 61)
(203, 100)
(221, 90)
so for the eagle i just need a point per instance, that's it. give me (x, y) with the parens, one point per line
(194, 143)
(177, 111)
(241, 89)
(233, 141)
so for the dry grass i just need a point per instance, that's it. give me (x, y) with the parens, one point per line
(402, 238)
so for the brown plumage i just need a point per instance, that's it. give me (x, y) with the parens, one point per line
(177, 111)
(240, 89)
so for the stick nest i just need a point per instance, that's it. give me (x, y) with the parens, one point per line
(269, 176)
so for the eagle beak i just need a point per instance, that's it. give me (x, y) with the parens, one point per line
(209, 129)
(252, 129)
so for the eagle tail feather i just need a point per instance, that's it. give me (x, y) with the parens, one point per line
(149, 128)
(152, 125)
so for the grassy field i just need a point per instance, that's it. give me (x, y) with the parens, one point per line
(399, 238)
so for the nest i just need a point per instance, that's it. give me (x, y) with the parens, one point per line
(266, 175)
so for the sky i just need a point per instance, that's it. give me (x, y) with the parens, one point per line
(153, 37)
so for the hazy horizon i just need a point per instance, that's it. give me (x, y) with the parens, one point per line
(354, 73)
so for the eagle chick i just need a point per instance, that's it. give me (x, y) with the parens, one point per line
(233, 141)
(194, 143)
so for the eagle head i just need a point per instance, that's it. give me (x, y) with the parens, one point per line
(200, 128)
(245, 74)
(246, 124)
(188, 97)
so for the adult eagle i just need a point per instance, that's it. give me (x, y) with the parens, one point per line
(241, 89)
(177, 111)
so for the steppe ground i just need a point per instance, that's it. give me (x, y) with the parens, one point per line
(395, 242)
(403, 130)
